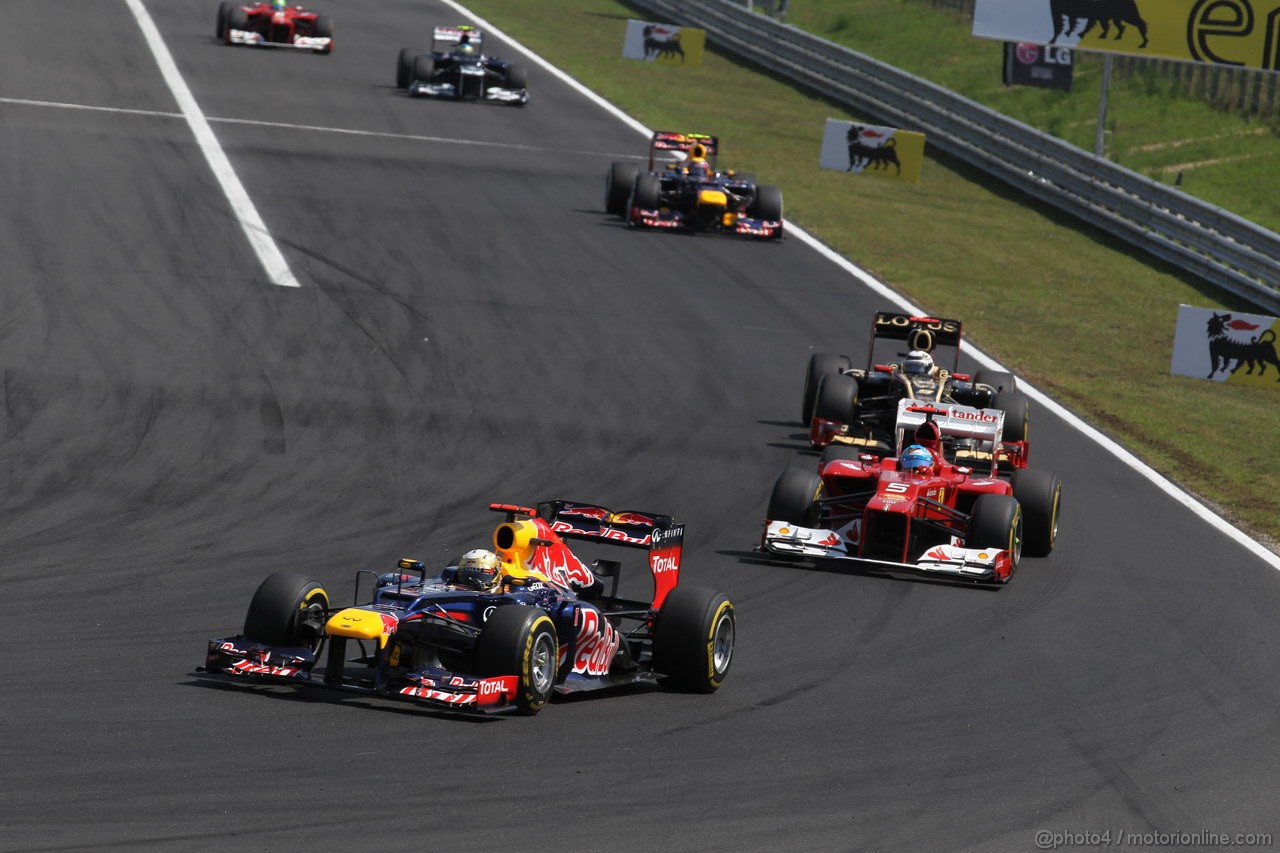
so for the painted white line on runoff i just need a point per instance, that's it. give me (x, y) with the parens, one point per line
(879, 287)
(273, 261)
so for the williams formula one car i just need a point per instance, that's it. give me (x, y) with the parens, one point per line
(275, 24)
(953, 517)
(683, 189)
(455, 68)
(545, 624)
(857, 406)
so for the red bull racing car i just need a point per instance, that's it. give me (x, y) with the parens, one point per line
(858, 406)
(684, 190)
(455, 68)
(274, 24)
(954, 516)
(546, 625)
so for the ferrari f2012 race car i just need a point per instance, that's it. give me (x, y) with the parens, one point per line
(683, 189)
(274, 24)
(857, 406)
(455, 68)
(545, 624)
(948, 513)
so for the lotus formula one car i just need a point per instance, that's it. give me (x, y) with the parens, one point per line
(543, 624)
(683, 189)
(455, 68)
(275, 24)
(857, 406)
(947, 513)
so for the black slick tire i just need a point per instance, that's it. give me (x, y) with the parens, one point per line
(1040, 494)
(996, 522)
(820, 364)
(795, 497)
(617, 186)
(288, 609)
(519, 640)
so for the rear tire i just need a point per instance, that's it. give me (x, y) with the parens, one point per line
(288, 609)
(519, 640)
(820, 364)
(617, 187)
(1040, 494)
(996, 522)
(997, 379)
(1017, 414)
(795, 498)
(694, 638)
(837, 399)
(404, 67)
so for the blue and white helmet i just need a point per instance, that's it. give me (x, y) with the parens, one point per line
(915, 456)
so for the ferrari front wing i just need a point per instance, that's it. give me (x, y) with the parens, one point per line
(973, 564)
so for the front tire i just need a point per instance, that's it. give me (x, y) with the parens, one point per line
(997, 379)
(223, 10)
(837, 399)
(237, 19)
(617, 187)
(795, 498)
(996, 522)
(404, 67)
(694, 638)
(646, 192)
(424, 69)
(768, 204)
(1040, 494)
(288, 609)
(517, 77)
(521, 641)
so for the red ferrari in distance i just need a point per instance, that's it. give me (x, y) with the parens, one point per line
(275, 24)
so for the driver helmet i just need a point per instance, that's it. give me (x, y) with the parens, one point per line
(697, 162)
(279, 5)
(918, 363)
(480, 569)
(916, 458)
(466, 48)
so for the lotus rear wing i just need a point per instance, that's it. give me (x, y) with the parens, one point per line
(661, 534)
(672, 147)
(457, 35)
(922, 333)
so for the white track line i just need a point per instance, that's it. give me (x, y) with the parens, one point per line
(273, 261)
(874, 284)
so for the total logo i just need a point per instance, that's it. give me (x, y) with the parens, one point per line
(661, 565)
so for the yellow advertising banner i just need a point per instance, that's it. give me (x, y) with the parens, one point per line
(1242, 33)
(664, 43)
(866, 149)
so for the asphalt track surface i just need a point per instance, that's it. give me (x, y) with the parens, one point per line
(470, 327)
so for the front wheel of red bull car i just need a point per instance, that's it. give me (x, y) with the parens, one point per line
(520, 640)
(694, 638)
(288, 609)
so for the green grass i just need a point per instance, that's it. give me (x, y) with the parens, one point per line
(1084, 317)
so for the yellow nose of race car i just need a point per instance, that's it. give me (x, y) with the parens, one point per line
(712, 198)
(357, 624)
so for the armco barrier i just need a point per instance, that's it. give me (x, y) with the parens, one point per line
(1220, 247)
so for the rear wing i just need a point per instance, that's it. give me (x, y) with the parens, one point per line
(969, 434)
(672, 146)
(661, 534)
(922, 333)
(457, 35)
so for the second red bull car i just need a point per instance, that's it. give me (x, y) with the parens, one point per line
(548, 625)
(683, 189)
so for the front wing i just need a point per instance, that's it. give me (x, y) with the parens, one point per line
(666, 218)
(244, 660)
(423, 89)
(973, 564)
(249, 37)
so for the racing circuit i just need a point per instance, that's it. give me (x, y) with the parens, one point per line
(468, 326)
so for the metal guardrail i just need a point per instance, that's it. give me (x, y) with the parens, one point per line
(1217, 245)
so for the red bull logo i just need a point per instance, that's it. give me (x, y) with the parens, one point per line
(596, 513)
(598, 641)
(632, 518)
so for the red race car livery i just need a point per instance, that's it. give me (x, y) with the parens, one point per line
(275, 25)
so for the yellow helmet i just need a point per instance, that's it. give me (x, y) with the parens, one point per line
(480, 569)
